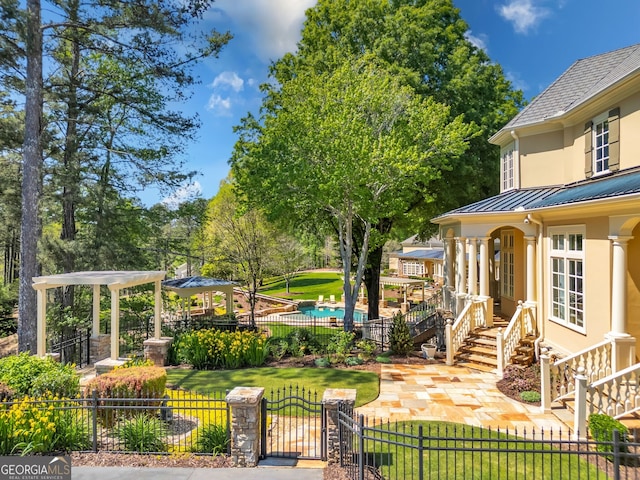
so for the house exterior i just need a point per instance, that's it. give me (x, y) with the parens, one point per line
(419, 259)
(567, 217)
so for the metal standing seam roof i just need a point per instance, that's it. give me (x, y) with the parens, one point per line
(580, 82)
(196, 282)
(533, 198)
(436, 254)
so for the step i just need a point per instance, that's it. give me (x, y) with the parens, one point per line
(473, 358)
(477, 366)
(479, 350)
(482, 341)
(525, 350)
(522, 360)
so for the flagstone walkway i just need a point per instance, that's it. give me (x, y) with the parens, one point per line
(455, 394)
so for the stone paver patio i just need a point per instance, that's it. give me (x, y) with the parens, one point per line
(455, 394)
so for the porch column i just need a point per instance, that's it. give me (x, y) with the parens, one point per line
(473, 267)
(449, 255)
(484, 267)
(229, 295)
(461, 257)
(531, 270)
(115, 322)
(619, 286)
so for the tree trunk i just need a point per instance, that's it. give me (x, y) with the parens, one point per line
(31, 178)
(372, 282)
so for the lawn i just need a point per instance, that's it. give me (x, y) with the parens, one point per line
(461, 451)
(314, 379)
(306, 286)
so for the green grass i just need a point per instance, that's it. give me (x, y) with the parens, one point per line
(307, 286)
(454, 451)
(313, 379)
(281, 330)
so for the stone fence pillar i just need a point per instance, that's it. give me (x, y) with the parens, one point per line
(99, 347)
(331, 399)
(245, 403)
(156, 350)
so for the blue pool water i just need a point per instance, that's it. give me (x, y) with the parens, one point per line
(327, 311)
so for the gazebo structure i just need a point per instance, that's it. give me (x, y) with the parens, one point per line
(185, 287)
(115, 281)
(403, 283)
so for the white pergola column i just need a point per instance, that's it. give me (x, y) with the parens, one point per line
(461, 270)
(96, 311)
(484, 267)
(229, 295)
(156, 309)
(115, 322)
(619, 286)
(531, 269)
(473, 267)
(41, 347)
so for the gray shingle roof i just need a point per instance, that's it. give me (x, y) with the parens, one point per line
(581, 82)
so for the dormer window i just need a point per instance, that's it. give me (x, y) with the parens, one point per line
(602, 144)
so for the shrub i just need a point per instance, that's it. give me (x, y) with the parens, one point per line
(278, 347)
(142, 433)
(522, 379)
(530, 396)
(21, 373)
(366, 347)
(127, 383)
(322, 362)
(399, 337)
(212, 439)
(383, 359)
(353, 361)
(602, 427)
(340, 345)
(301, 341)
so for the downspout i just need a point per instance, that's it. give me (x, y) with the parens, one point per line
(531, 219)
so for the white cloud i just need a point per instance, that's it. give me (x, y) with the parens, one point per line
(183, 194)
(272, 26)
(523, 14)
(219, 105)
(517, 81)
(480, 40)
(230, 79)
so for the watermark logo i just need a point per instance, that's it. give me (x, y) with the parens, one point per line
(35, 468)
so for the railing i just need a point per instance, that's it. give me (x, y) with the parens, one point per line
(74, 348)
(617, 394)
(522, 323)
(472, 316)
(558, 377)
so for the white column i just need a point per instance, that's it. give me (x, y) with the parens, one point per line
(156, 309)
(473, 267)
(448, 263)
(461, 257)
(229, 298)
(619, 286)
(96, 311)
(531, 269)
(41, 332)
(115, 323)
(484, 267)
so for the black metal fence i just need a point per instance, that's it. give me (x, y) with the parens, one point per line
(293, 424)
(181, 421)
(73, 348)
(425, 450)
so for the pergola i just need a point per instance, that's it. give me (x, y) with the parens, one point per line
(185, 287)
(400, 282)
(115, 281)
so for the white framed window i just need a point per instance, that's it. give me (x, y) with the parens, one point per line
(600, 133)
(507, 264)
(567, 276)
(507, 167)
(415, 269)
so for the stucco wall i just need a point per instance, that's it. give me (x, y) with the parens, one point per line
(633, 287)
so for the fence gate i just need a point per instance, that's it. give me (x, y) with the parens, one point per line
(293, 424)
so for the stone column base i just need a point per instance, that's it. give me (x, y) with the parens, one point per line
(106, 365)
(156, 349)
(245, 403)
(99, 347)
(331, 399)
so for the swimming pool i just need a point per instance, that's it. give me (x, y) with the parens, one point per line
(328, 311)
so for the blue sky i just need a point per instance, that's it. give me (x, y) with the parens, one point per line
(533, 40)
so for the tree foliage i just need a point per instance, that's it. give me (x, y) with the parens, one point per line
(343, 147)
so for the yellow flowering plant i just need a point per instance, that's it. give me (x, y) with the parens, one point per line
(213, 348)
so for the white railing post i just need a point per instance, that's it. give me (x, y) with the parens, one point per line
(545, 380)
(448, 334)
(580, 414)
(500, 351)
